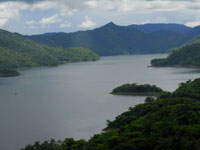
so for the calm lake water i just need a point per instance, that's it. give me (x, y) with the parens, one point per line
(73, 100)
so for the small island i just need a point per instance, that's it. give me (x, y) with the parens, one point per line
(137, 90)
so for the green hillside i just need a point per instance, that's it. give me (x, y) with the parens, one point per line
(170, 122)
(16, 51)
(188, 55)
(195, 40)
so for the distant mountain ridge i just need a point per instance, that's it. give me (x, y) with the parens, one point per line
(112, 39)
(149, 28)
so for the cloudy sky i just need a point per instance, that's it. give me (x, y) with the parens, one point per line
(40, 16)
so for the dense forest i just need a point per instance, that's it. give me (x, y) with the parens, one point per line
(19, 52)
(112, 39)
(134, 89)
(169, 122)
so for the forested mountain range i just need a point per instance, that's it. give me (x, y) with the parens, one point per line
(112, 39)
(18, 51)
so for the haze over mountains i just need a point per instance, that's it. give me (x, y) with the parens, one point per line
(112, 39)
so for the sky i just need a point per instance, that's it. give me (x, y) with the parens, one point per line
(41, 16)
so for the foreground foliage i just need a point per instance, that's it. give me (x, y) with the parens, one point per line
(17, 51)
(170, 122)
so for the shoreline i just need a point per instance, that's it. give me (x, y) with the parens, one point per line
(135, 94)
(7, 75)
(177, 66)
(16, 72)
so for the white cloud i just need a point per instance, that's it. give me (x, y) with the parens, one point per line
(10, 11)
(63, 8)
(103, 4)
(88, 23)
(3, 22)
(91, 4)
(43, 5)
(66, 11)
(33, 27)
(193, 23)
(31, 22)
(155, 20)
(50, 20)
(65, 25)
(144, 6)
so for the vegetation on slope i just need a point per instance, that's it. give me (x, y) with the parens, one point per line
(194, 40)
(188, 55)
(134, 89)
(75, 54)
(17, 52)
(169, 122)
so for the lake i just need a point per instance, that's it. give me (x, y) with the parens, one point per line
(73, 100)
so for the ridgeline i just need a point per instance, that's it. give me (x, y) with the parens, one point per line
(112, 39)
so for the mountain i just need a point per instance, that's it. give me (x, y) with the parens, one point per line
(195, 40)
(17, 51)
(149, 28)
(193, 33)
(187, 55)
(49, 49)
(112, 39)
(170, 122)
